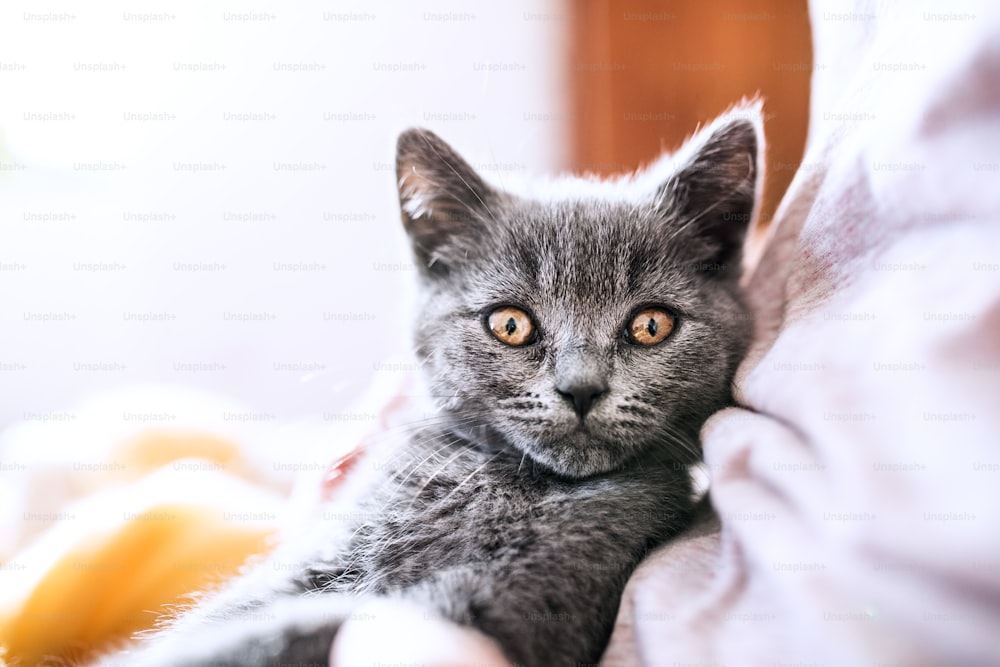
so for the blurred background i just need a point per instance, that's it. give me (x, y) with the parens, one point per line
(201, 193)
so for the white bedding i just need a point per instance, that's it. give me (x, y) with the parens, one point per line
(858, 493)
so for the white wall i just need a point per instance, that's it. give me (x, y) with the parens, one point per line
(101, 218)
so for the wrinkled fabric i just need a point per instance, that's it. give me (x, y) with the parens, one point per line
(857, 491)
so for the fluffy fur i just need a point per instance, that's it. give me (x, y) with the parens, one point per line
(508, 511)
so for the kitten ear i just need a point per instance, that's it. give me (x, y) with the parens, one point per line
(714, 190)
(443, 200)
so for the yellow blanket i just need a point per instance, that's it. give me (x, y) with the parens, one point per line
(177, 512)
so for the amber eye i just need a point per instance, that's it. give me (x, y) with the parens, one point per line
(512, 326)
(650, 326)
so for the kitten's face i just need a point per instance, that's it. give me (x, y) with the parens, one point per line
(585, 331)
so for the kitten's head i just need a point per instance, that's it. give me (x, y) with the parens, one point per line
(592, 325)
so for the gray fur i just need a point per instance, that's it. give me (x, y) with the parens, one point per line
(508, 511)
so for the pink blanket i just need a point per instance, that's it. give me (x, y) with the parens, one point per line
(858, 492)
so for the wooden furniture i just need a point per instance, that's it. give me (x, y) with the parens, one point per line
(644, 74)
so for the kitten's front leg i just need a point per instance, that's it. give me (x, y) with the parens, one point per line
(294, 630)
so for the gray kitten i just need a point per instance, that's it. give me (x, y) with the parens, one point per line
(574, 344)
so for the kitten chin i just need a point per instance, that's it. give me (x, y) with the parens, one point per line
(578, 452)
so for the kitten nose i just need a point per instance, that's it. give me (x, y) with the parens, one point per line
(582, 394)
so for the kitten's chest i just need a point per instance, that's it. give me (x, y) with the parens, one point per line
(465, 508)
(431, 522)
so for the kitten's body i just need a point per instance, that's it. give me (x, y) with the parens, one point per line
(518, 509)
(535, 561)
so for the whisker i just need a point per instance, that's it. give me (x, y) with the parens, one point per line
(472, 474)
(430, 479)
(420, 463)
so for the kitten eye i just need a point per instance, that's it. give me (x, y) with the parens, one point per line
(650, 326)
(512, 326)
